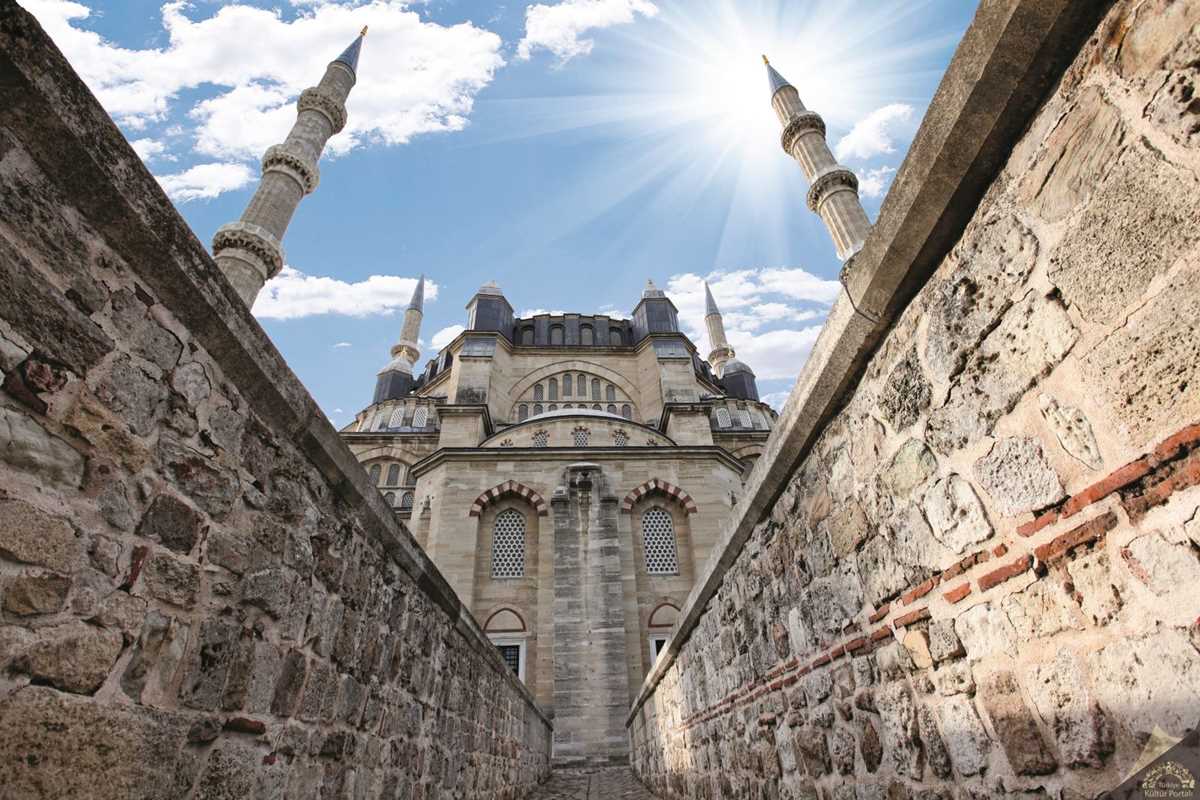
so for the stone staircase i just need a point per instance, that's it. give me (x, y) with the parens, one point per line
(607, 783)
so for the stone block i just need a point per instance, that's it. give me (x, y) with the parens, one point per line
(1015, 726)
(1165, 568)
(1096, 587)
(842, 746)
(171, 522)
(984, 630)
(911, 466)
(1073, 431)
(191, 382)
(272, 590)
(870, 746)
(229, 773)
(26, 445)
(212, 488)
(134, 396)
(883, 575)
(966, 739)
(171, 579)
(57, 745)
(936, 754)
(906, 393)
(1043, 609)
(943, 641)
(917, 644)
(156, 657)
(289, 682)
(994, 258)
(1032, 337)
(954, 678)
(141, 333)
(74, 657)
(1062, 694)
(37, 593)
(1154, 680)
(955, 514)
(898, 717)
(847, 528)
(208, 669)
(1018, 477)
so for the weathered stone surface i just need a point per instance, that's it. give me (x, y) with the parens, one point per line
(171, 579)
(1060, 690)
(172, 522)
(847, 528)
(208, 668)
(191, 381)
(1096, 587)
(1164, 567)
(936, 754)
(917, 644)
(1032, 337)
(1074, 432)
(1154, 681)
(56, 745)
(965, 737)
(27, 595)
(911, 467)
(132, 394)
(212, 488)
(955, 514)
(995, 257)
(984, 630)
(74, 657)
(954, 678)
(943, 641)
(138, 329)
(899, 719)
(1018, 477)
(1145, 371)
(27, 445)
(883, 576)
(906, 394)
(1041, 610)
(1015, 726)
(842, 748)
(870, 746)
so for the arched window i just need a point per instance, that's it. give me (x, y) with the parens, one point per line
(527, 335)
(390, 498)
(537, 409)
(374, 473)
(610, 393)
(595, 389)
(614, 337)
(582, 386)
(595, 406)
(556, 334)
(612, 409)
(658, 534)
(397, 418)
(586, 337)
(567, 385)
(627, 411)
(723, 417)
(522, 412)
(393, 476)
(406, 501)
(537, 393)
(420, 417)
(553, 407)
(553, 382)
(508, 545)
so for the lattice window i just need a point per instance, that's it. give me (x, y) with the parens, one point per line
(553, 383)
(567, 385)
(580, 437)
(537, 409)
(420, 417)
(627, 411)
(614, 337)
(556, 334)
(508, 545)
(723, 418)
(393, 475)
(537, 392)
(620, 438)
(610, 393)
(612, 409)
(374, 473)
(744, 418)
(658, 534)
(523, 413)
(541, 439)
(511, 653)
(390, 498)
(397, 418)
(406, 501)
(595, 389)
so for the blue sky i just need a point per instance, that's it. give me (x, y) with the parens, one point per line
(568, 150)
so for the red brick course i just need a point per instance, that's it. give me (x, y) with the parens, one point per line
(957, 593)
(911, 617)
(1087, 532)
(1007, 572)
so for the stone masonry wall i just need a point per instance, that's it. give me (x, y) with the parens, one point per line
(201, 595)
(983, 579)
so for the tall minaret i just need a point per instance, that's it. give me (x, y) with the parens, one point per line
(248, 251)
(721, 351)
(833, 192)
(396, 379)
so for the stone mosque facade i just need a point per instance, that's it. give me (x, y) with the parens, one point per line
(567, 474)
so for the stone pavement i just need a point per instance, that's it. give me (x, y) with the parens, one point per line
(610, 783)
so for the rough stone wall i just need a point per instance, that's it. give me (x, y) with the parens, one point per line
(982, 580)
(200, 593)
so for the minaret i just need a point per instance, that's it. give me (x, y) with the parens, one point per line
(249, 251)
(396, 378)
(721, 351)
(833, 190)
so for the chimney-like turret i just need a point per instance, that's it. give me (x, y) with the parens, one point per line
(396, 378)
(249, 251)
(721, 351)
(833, 189)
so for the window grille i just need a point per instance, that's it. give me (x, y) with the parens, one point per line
(580, 437)
(744, 416)
(397, 418)
(541, 439)
(581, 386)
(553, 389)
(595, 389)
(393, 475)
(621, 438)
(567, 385)
(522, 412)
(511, 653)
(420, 417)
(537, 392)
(627, 411)
(723, 417)
(406, 501)
(658, 534)
(508, 545)
(537, 409)
(374, 473)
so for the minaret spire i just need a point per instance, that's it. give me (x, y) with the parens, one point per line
(249, 251)
(721, 351)
(396, 378)
(833, 190)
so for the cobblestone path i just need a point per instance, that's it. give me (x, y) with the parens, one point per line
(613, 783)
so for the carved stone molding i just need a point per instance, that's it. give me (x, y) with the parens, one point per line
(798, 126)
(279, 159)
(252, 239)
(828, 183)
(315, 99)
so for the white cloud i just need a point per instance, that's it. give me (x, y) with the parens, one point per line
(343, 344)
(535, 312)
(776, 399)
(445, 336)
(874, 182)
(250, 64)
(292, 294)
(149, 149)
(205, 181)
(774, 354)
(872, 135)
(559, 28)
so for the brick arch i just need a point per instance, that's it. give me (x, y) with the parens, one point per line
(497, 493)
(662, 487)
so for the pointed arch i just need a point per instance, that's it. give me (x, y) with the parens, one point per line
(662, 487)
(496, 493)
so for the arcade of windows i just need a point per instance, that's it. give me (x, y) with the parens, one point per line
(588, 336)
(391, 478)
(573, 390)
